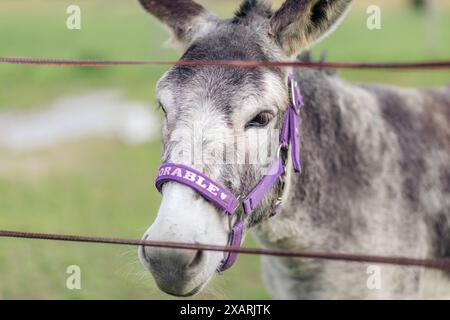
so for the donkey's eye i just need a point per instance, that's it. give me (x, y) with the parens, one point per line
(261, 120)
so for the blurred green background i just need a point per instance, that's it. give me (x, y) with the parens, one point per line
(104, 187)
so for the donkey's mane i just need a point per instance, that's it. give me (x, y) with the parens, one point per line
(251, 7)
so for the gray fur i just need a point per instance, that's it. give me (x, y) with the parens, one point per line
(375, 175)
(300, 23)
(185, 18)
(376, 160)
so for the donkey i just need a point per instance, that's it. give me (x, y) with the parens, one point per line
(376, 159)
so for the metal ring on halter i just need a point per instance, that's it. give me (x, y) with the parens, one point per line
(283, 146)
(294, 103)
(238, 202)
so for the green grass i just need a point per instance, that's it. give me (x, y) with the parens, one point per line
(403, 38)
(105, 188)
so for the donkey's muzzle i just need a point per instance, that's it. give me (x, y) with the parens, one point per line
(174, 270)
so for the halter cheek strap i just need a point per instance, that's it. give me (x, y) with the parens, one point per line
(225, 200)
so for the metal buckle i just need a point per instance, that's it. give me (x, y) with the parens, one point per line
(279, 201)
(282, 181)
(283, 147)
(240, 203)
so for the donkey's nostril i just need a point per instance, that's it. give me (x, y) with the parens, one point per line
(142, 252)
(163, 261)
(198, 257)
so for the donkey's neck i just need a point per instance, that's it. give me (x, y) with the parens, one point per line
(332, 161)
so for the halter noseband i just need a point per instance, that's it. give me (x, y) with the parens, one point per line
(226, 200)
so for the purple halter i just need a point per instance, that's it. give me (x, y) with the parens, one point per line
(227, 201)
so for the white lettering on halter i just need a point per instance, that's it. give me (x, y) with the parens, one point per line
(190, 176)
(213, 189)
(165, 171)
(200, 182)
(177, 172)
(193, 177)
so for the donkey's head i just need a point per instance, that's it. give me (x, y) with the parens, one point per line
(223, 121)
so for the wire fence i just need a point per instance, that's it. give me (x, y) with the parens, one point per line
(426, 65)
(442, 264)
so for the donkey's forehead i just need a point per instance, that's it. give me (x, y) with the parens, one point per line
(225, 86)
(222, 88)
(229, 40)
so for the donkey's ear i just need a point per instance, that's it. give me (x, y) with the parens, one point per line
(185, 18)
(300, 23)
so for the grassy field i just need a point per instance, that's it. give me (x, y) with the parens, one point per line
(102, 187)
